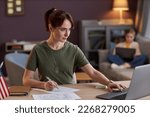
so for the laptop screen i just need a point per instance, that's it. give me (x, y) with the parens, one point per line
(139, 86)
(126, 53)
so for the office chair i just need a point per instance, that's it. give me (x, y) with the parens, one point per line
(15, 65)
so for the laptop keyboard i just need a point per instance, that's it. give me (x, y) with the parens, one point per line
(120, 96)
(114, 95)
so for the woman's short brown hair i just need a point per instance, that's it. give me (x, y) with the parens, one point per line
(56, 18)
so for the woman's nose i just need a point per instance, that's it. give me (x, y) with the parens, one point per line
(67, 32)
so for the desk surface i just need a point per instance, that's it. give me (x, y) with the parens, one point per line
(87, 91)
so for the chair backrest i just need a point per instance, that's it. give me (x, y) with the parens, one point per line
(15, 65)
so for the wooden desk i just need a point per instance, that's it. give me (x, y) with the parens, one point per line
(87, 91)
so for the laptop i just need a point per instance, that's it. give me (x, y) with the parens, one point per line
(139, 86)
(125, 53)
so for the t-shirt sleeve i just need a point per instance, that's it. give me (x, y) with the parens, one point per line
(32, 61)
(81, 60)
(137, 47)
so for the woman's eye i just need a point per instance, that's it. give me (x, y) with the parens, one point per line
(64, 29)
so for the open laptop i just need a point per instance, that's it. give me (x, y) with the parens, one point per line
(139, 86)
(125, 53)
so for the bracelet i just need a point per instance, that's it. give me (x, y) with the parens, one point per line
(110, 81)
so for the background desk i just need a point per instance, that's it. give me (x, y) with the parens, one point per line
(87, 91)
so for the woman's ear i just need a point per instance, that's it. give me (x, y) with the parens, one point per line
(50, 27)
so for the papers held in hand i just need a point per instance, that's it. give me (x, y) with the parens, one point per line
(19, 90)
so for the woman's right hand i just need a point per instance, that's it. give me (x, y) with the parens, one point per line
(50, 85)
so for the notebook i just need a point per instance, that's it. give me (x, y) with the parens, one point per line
(125, 53)
(139, 86)
(19, 90)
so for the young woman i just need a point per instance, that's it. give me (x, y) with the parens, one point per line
(56, 58)
(138, 59)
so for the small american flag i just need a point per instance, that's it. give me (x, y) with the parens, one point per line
(4, 92)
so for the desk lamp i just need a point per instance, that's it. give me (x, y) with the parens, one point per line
(120, 5)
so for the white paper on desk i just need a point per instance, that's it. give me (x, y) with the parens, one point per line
(56, 96)
(64, 89)
(59, 89)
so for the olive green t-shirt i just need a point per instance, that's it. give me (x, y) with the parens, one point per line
(59, 65)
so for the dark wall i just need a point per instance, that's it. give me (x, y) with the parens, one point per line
(31, 27)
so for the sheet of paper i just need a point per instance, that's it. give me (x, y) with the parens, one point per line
(56, 96)
(64, 89)
(59, 89)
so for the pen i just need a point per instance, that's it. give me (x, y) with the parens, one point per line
(51, 80)
(1, 64)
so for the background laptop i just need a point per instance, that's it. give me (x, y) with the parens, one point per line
(139, 86)
(125, 53)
